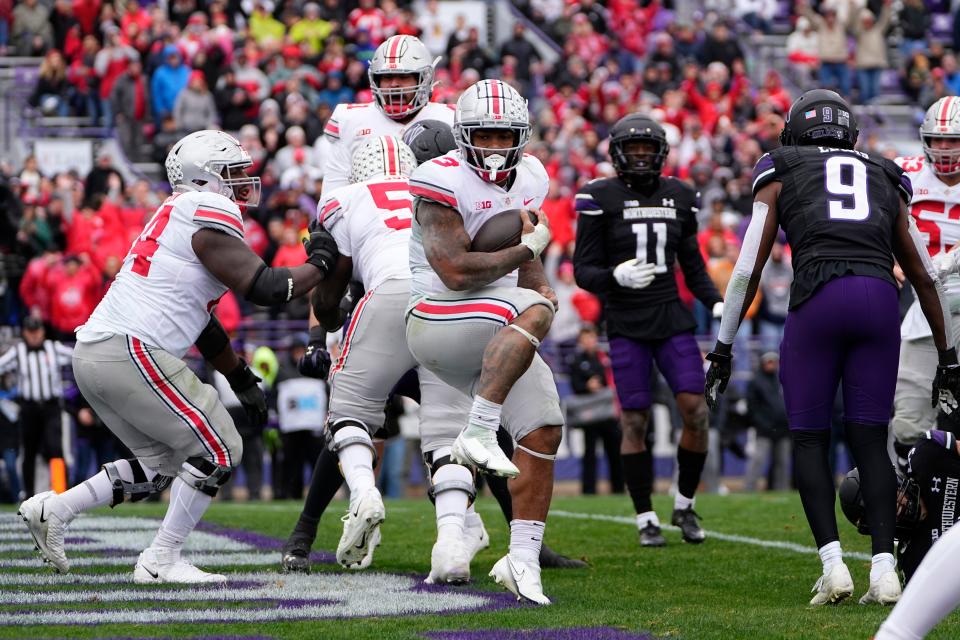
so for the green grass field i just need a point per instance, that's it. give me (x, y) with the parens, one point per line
(724, 590)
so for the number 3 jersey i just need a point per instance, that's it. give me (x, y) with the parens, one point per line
(659, 226)
(163, 294)
(936, 209)
(838, 208)
(371, 223)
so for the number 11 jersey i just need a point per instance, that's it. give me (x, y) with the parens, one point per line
(163, 294)
(838, 209)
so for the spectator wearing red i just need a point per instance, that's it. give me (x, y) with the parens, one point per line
(34, 292)
(291, 252)
(111, 62)
(135, 14)
(86, 12)
(370, 18)
(560, 212)
(74, 293)
(587, 43)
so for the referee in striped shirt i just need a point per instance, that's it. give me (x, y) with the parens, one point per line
(37, 363)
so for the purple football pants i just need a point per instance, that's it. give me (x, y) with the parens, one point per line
(678, 358)
(848, 332)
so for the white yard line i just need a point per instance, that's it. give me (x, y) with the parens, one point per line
(711, 535)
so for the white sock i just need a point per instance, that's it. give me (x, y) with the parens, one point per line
(526, 538)
(882, 563)
(648, 517)
(830, 554)
(485, 414)
(473, 518)
(932, 593)
(451, 504)
(682, 502)
(356, 462)
(187, 506)
(96, 491)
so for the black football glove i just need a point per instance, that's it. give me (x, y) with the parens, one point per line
(718, 375)
(315, 361)
(946, 384)
(244, 381)
(321, 249)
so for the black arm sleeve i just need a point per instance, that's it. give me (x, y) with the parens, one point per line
(212, 340)
(589, 258)
(695, 272)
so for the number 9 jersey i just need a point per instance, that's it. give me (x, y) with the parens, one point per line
(838, 208)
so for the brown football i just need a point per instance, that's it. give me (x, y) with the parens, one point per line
(500, 231)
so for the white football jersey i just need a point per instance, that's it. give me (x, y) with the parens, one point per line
(371, 223)
(449, 181)
(163, 294)
(936, 209)
(351, 125)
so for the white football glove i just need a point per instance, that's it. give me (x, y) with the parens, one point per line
(633, 274)
(718, 310)
(538, 239)
(945, 263)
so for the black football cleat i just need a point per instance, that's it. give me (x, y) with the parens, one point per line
(650, 536)
(550, 559)
(689, 522)
(296, 555)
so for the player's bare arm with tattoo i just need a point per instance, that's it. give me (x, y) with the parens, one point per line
(447, 247)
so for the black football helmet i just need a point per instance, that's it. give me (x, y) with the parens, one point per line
(854, 508)
(637, 127)
(820, 117)
(429, 139)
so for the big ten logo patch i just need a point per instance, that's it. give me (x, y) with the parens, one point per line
(104, 549)
(482, 205)
(363, 132)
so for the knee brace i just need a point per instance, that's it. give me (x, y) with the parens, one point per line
(144, 482)
(434, 461)
(335, 446)
(205, 476)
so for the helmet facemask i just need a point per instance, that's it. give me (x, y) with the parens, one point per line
(401, 102)
(236, 185)
(493, 164)
(643, 165)
(944, 162)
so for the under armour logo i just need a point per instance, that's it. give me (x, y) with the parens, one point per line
(936, 485)
(668, 202)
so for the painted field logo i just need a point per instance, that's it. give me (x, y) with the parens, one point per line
(103, 551)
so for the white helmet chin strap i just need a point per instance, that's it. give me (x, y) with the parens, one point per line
(493, 163)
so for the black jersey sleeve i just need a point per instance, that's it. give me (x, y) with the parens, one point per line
(764, 173)
(900, 180)
(590, 266)
(691, 260)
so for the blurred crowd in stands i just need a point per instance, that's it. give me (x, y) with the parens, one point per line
(271, 71)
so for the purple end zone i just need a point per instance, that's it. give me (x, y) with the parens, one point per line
(575, 633)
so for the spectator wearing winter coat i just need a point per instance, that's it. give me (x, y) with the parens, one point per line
(769, 416)
(524, 54)
(51, 94)
(168, 81)
(832, 36)
(195, 108)
(74, 293)
(721, 47)
(32, 33)
(311, 29)
(130, 103)
(871, 55)
(914, 19)
(234, 103)
(111, 62)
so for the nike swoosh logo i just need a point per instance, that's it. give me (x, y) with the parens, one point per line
(526, 201)
(156, 575)
(42, 515)
(363, 541)
(517, 575)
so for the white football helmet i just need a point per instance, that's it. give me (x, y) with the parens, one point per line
(402, 55)
(383, 156)
(212, 160)
(942, 121)
(491, 104)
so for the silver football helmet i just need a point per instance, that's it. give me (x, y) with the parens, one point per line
(212, 160)
(383, 156)
(402, 55)
(942, 120)
(491, 104)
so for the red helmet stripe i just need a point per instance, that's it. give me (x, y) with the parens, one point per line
(391, 156)
(393, 49)
(495, 96)
(944, 114)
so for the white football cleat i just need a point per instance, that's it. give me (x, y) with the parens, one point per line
(522, 579)
(450, 561)
(478, 447)
(158, 565)
(47, 530)
(362, 520)
(475, 535)
(886, 590)
(833, 587)
(368, 559)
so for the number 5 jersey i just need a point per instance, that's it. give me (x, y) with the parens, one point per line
(163, 294)
(616, 223)
(838, 208)
(935, 207)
